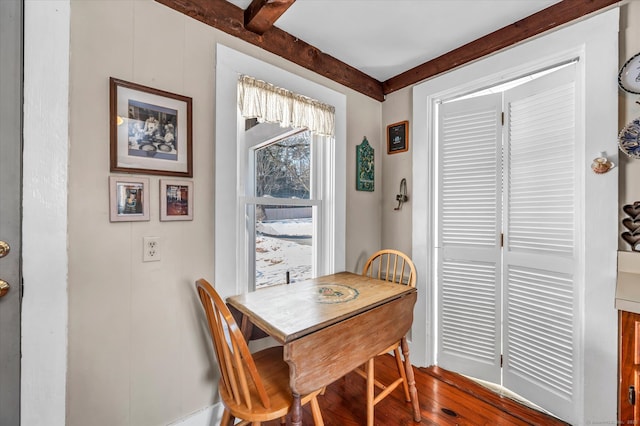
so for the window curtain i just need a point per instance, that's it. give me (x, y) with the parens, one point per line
(271, 104)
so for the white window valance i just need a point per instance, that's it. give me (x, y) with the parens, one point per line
(271, 104)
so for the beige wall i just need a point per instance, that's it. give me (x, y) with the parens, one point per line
(137, 351)
(396, 224)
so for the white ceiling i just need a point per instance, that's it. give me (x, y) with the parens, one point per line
(384, 38)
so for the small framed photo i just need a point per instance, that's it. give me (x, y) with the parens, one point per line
(398, 137)
(176, 200)
(128, 199)
(150, 130)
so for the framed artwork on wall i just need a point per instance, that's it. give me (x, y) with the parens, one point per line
(398, 137)
(151, 130)
(176, 200)
(128, 199)
(365, 171)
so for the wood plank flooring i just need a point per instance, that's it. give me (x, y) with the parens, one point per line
(445, 399)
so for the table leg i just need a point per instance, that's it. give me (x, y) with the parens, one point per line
(412, 381)
(296, 410)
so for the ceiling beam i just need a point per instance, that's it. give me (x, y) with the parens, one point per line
(533, 25)
(262, 14)
(229, 18)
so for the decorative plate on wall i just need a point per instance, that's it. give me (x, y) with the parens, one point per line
(629, 75)
(629, 139)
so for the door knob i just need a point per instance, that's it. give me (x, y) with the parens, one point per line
(4, 287)
(4, 249)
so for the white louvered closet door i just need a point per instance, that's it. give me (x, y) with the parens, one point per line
(539, 255)
(469, 226)
(518, 301)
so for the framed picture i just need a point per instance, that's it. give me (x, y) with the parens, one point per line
(365, 167)
(150, 130)
(398, 137)
(176, 200)
(128, 199)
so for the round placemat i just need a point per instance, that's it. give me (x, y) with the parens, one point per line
(332, 293)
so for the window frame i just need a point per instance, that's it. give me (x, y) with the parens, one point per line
(229, 224)
(247, 150)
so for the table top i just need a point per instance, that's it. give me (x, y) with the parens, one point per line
(290, 311)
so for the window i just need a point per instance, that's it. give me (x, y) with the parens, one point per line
(282, 205)
(232, 225)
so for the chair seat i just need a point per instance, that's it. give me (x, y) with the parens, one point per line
(275, 377)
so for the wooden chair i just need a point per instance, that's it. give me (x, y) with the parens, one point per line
(393, 266)
(253, 387)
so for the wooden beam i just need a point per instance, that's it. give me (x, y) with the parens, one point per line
(229, 18)
(549, 18)
(262, 14)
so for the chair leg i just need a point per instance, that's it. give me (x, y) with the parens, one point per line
(370, 389)
(412, 381)
(402, 372)
(226, 418)
(315, 411)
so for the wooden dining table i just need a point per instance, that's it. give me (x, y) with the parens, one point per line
(330, 325)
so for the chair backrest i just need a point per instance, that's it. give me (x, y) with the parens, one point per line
(391, 265)
(238, 371)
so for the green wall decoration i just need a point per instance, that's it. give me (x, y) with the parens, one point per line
(364, 166)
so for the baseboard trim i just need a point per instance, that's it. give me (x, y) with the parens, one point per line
(208, 416)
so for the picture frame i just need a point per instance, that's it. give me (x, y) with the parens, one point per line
(176, 200)
(151, 130)
(128, 199)
(365, 166)
(398, 137)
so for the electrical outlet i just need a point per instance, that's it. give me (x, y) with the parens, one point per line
(151, 249)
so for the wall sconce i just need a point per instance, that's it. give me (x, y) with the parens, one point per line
(402, 198)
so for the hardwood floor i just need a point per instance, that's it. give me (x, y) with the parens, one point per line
(445, 399)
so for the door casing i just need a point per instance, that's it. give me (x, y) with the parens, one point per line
(11, 23)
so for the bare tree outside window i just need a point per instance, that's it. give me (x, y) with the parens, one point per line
(283, 169)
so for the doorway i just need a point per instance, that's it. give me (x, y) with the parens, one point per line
(593, 41)
(11, 22)
(508, 275)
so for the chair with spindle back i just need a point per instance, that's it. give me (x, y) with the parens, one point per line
(253, 387)
(393, 266)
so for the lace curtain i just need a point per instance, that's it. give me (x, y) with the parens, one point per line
(271, 104)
